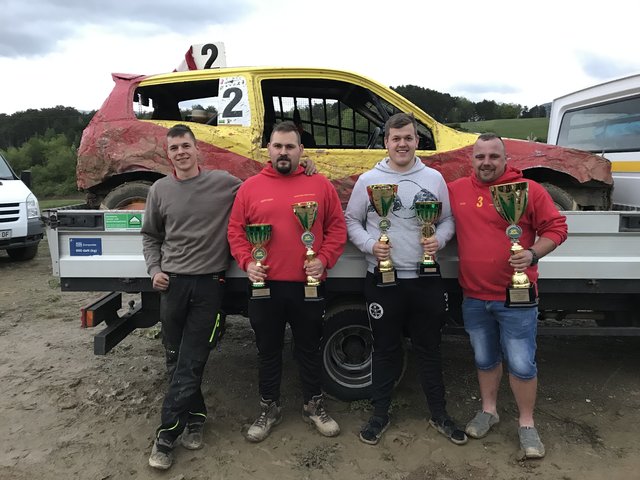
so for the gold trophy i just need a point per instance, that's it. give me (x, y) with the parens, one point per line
(306, 213)
(258, 235)
(510, 200)
(428, 212)
(382, 197)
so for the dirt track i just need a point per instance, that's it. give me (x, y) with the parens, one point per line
(65, 413)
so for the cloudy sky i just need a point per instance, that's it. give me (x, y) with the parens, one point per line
(62, 52)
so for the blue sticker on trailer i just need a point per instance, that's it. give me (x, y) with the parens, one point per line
(85, 247)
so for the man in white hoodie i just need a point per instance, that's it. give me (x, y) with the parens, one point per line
(418, 303)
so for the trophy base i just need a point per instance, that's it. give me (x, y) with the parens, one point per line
(384, 279)
(259, 292)
(521, 297)
(428, 270)
(312, 293)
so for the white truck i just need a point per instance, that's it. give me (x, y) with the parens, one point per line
(604, 119)
(596, 269)
(121, 154)
(20, 225)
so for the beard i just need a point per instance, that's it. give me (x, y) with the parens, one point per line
(285, 166)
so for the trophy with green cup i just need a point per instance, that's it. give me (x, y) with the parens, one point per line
(382, 197)
(306, 213)
(428, 213)
(258, 235)
(510, 201)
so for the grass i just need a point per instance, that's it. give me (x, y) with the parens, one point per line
(59, 202)
(524, 128)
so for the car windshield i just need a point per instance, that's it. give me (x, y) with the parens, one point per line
(5, 171)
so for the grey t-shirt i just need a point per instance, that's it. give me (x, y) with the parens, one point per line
(185, 223)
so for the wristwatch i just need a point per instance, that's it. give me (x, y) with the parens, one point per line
(534, 258)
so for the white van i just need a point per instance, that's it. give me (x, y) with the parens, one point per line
(20, 226)
(604, 119)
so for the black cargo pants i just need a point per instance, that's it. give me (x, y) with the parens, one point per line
(190, 315)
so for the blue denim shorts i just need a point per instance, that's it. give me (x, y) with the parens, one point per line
(498, 332)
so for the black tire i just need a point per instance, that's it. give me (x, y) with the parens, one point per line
(128, 196)
(562, 199)
(23, 253)
(346, 353)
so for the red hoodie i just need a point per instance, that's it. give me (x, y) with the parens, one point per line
(483, 246)
(267, 198)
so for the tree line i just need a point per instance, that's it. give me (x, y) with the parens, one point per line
(449, 109)
(45, 141)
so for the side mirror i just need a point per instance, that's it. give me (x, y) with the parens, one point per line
(25, 176)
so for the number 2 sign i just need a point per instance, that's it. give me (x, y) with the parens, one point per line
(209, 55)
(234, 106)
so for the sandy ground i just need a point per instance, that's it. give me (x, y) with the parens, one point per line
(65, 413)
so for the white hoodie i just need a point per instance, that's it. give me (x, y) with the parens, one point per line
(420, 183)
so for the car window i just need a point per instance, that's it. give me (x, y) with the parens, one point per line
(5, 171)
(335, 114)
(195, 101)
(607, 127)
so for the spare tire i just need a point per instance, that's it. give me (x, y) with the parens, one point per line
(562, 199)
(346, 353)
(128, 196)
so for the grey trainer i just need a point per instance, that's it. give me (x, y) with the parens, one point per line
(191, 438)
(314, 412)
(530, 442)
(270, 416)
(161, 454)
(480, 425)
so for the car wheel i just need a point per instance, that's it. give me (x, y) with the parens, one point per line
(23, 253)
(346, 353)
(128, 196)
(562, 199)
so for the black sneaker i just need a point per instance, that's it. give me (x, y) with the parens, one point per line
(374, 429)
(447, 427)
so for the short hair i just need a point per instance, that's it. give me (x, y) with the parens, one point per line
(180, 130)
(286, 127)
(400, 120)
(487, 136)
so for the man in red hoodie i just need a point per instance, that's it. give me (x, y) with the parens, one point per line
(498, 332)
(267, 198)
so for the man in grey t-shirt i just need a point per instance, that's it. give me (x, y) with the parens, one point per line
(186, 252)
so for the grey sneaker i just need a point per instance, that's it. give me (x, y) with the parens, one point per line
(269, 416)
(161, 454)
(191, 438)
(480, 425)
(530, 442)
(313, 412)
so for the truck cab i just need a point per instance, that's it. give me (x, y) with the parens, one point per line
(20, 226)
(604, 119)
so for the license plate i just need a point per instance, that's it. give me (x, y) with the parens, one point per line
(5, 234)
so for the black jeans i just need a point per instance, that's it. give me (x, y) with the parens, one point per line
(420, 305)
(190, 314)
(268, 319)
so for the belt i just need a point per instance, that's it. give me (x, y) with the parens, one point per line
(215, 276)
